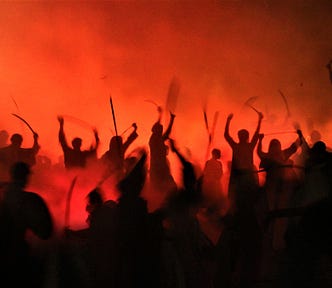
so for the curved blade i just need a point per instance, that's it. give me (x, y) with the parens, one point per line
(26, 123)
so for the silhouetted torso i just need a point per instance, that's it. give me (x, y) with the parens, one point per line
(21, 211)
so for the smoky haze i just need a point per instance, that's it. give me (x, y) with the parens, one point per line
(68, 58)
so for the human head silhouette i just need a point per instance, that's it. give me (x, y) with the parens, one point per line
(243, 135)
(216, 153)
(76, 143)
(16, 140)
(157, 128)
(274, 146)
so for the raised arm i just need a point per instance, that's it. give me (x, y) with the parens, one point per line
(169, 127)
(133, 135)
(188, 171)
(62, 137)
(303, 143)
(288, 152)
(255, 136)
(35, 146)
(260, 152)
(176, 151)
(95, 133)
(228, 138)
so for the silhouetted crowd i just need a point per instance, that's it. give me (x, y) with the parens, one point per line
(275, 233)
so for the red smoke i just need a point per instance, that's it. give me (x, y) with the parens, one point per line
(67, 58)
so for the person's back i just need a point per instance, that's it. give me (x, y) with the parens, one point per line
(20, 212)
(74, 157)
(13, 153)
(212, 177)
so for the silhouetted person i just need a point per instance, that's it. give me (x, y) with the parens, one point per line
(22, 211)
(114, 158)
(317, 181)
(161, 179)
(74, 157)
(134, 267)
(76, 262)
(212, 176)
(243, 191)
(119, 240)
(15, 153)
(309, 248)
(188, 258)
(280, 181)
(94, 201)
(243, 182)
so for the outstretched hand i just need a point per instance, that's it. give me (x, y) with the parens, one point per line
(260, 136)
(35, 136)
(134, 125)
(230, 116)
(61, 120)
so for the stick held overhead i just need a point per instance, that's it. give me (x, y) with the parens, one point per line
(24, 121)
(249, 103)
(173, 94)
(113, 115)
(286, 103)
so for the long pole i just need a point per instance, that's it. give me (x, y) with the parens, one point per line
(113, 114)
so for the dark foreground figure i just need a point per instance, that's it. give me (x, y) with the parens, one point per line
(22, 211)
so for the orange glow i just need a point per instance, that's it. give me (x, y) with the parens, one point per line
(62, 58)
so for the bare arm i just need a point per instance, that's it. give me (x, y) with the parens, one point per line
(188, 171)
(176, 151)
(303, 143)
(35, 146)
(260, 152)
(255, 136)
(294, 146)
(95, 132)
(169, 127)
(228, 138)
(130, 138)
(62, 137)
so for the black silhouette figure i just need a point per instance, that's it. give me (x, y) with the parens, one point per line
(22, 211)
(309, 249)
(212, 181)
(119, 242)
(15, 153)
(160, 176)
(114, 158)
(94, 201)
(74, 157)
(188, 259)
(76, 265)
(280, 181)
(243, 182)
(317, 181)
